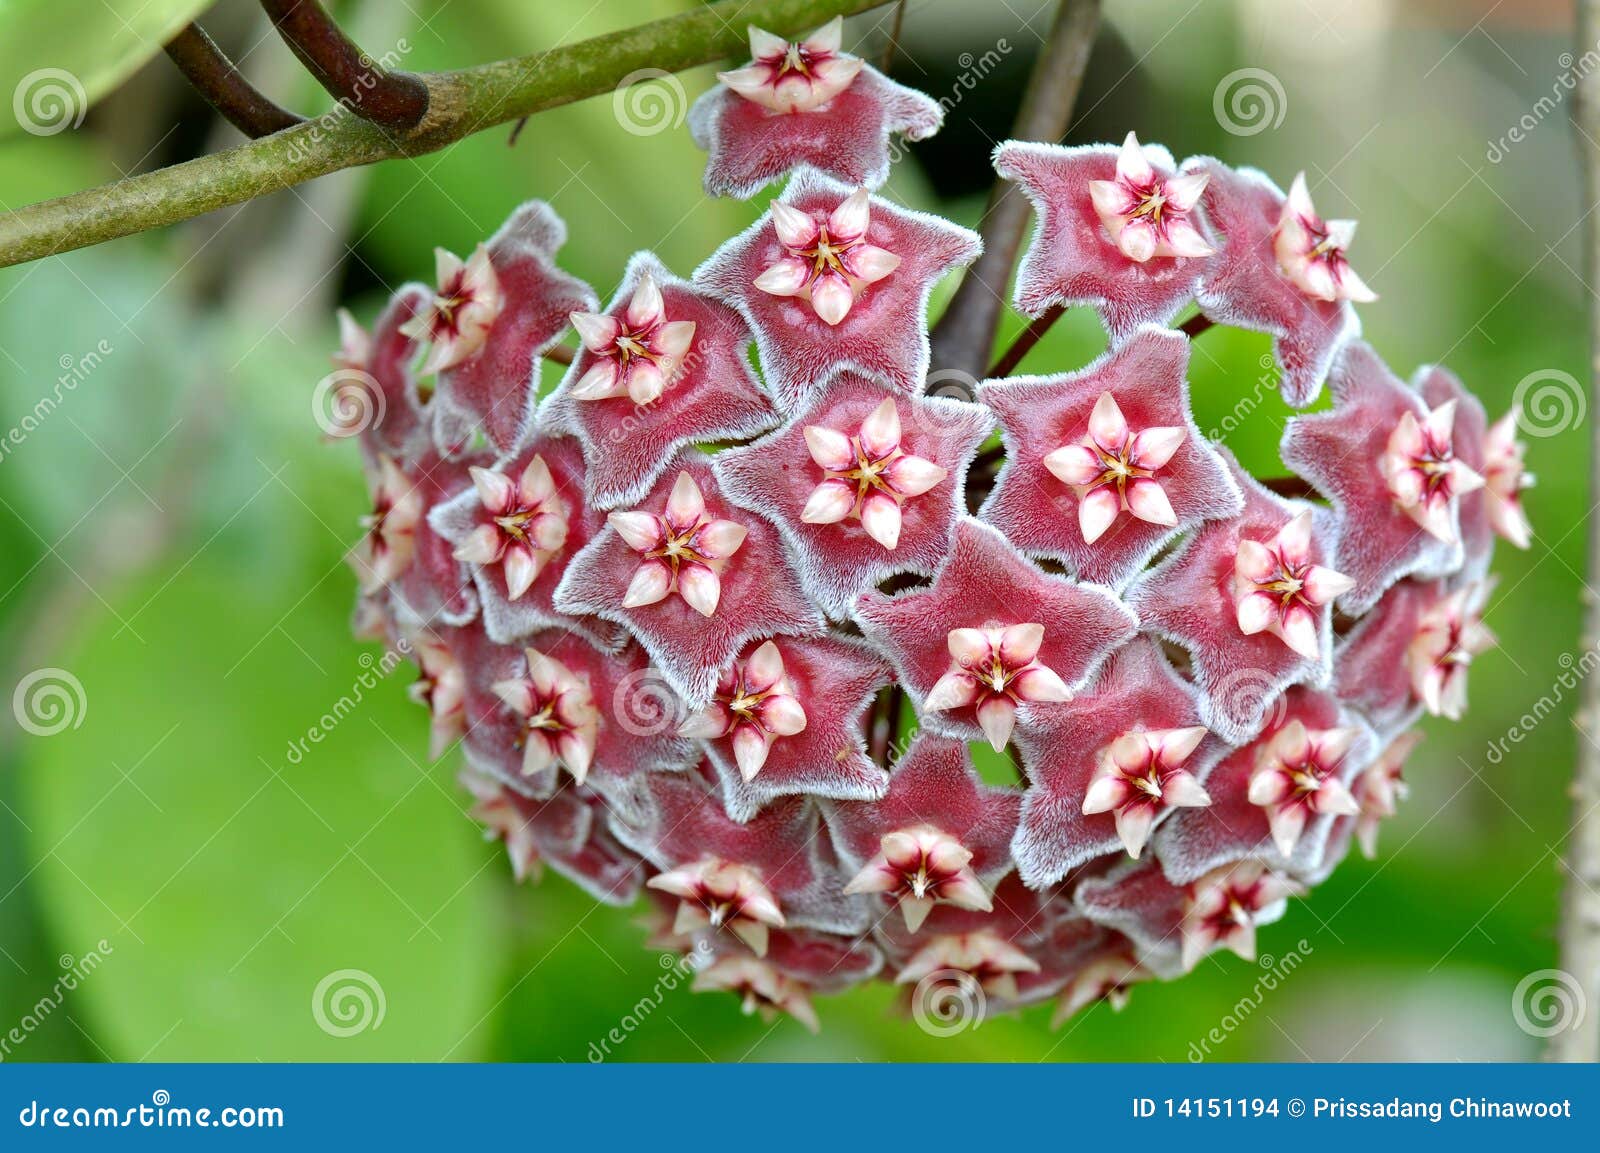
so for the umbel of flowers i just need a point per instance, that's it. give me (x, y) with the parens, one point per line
(670, 611)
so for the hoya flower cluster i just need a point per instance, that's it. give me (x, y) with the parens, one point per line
(666, 610)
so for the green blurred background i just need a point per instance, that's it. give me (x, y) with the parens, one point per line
(172, 536)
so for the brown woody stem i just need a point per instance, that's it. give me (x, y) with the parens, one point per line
(1024, 343)
(224, 87)
(1579, 928)
(965, 333)
(461, 103)
(394, 100)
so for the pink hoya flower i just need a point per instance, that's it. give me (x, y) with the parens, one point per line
(556, 709)
(1380, 788)
(1117, 230)
(832, 279)
(515, 528)
(1423, 472)
(1105, 466)
(987, 957)
(491, 320)
(1449, 634)
(527, 524)
(1109, 978)
(1141, 774)
(1310, 250)
(1250, 598)
(1505, 477)
(826, 263)
(441, 688)
(938, 836)
(1226, 906)
(1105, 768)
(680, 822)
(683, 616)
(1374, 663)
(683, 548)
(790, 714)
(867, 483)
(868, 476)
(693, 578)
(662, 368)
(567, 831)
(556, 705)
(992, 632)
(389, 542)
(378, 395)
(760, 987)
(1278, 589)
(920, 866)
(1246, 284)
(1297, 776)
(1387, 465)
(1275, 798)
(804, 103)
(755, 704)
(719, 894)
(464, 306)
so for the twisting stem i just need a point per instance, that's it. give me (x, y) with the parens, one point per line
(1580, 907)
(224, 87)
(965, 333)
(1024, 343)
(894, 37)
(461, 103)
(1196, 324)
(558, 354)
(394, 100)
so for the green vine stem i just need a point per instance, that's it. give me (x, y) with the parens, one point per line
(460, 104)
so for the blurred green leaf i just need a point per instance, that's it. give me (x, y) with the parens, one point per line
(59, 56)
